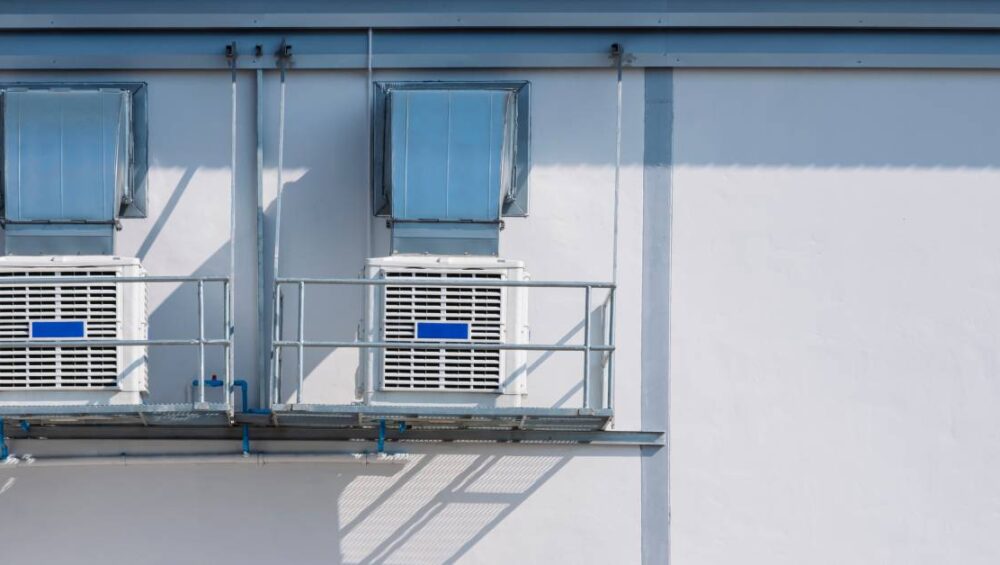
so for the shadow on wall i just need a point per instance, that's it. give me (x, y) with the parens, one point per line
(171, 368)
(434, 510)
(439, 507)
(313, 235)
(322, 236)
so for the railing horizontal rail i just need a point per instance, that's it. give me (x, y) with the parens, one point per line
(7, 284)
(97, 342)
(105, 279)
(447, 282)
(444, 345)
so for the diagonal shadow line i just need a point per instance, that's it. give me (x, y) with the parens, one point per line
(563, 461)
(569, 394)
(405, 531)
(168, 210)
(544, 356)
(562, 341)
(382, 498)
(452, 494)
(440, 502)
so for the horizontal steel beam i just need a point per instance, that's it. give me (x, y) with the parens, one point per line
(257, 459)
(289, 433)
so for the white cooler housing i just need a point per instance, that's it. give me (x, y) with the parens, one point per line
(107, 310)
(490, 314)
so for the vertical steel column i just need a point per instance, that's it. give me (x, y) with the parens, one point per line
(369, 212)
(284, 52)
(366, 380)
(301, 340)
(586, 348)
(226, 289)
(263, 389)
(616, 52)
(201, 341)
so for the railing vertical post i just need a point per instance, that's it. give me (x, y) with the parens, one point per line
(369, 376)
(586, 347)
(228, 333)
(201, 341)
(611, 354)
(301, 340)
(276, 350)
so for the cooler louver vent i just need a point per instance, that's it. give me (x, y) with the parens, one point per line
(443, 369)
(58, 367)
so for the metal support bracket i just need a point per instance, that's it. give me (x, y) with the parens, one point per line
(284, 53)
(4, 451)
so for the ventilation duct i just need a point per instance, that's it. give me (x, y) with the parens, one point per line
(66, 169)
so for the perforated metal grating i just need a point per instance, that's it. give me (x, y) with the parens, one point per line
(58, 367)
(443, 369)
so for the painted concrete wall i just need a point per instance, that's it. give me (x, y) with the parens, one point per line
(834, 317)
(468, 504)
(473, 503)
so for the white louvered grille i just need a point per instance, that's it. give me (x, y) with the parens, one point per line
(443, 369)
(58, 367)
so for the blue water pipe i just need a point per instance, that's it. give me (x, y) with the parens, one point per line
(214, 382)
(4, 452)
(381, 436)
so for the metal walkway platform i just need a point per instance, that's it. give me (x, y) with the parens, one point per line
(259, 430)
(426, 417)
(184, 414)
(320, 423)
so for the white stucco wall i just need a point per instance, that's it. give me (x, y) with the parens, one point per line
(834, 317)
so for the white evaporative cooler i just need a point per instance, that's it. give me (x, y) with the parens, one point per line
(444, 315)
(53, 375)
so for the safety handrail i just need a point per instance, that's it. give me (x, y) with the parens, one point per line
(279, 343)
(201, 342)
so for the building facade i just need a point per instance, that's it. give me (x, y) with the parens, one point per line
(738, 263)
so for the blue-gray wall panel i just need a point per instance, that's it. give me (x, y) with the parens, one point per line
(657, 145)
(401, 49)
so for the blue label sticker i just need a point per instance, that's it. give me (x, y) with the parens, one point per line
(58, 329)
(454, 331)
